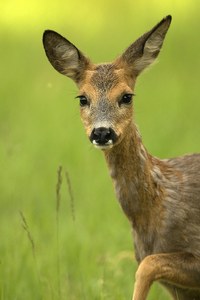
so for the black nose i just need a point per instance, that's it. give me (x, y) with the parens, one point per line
(102, 135)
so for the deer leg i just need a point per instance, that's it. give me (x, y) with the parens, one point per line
(178, 269)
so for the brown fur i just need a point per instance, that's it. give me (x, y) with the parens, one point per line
(161, 198)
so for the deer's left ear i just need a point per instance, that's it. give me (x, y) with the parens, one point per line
(144, 50)
(64, 56)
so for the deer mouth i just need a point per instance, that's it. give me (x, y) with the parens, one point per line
(107, 145)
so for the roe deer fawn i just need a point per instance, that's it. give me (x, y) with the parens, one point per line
(161, 198)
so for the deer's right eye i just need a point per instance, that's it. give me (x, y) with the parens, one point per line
(83, 100)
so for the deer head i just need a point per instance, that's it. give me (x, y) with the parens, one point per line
(106, 90)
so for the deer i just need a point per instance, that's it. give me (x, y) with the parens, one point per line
(160, 197)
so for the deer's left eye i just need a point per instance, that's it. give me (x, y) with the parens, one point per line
(126, 99)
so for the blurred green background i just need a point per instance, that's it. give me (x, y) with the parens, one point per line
(90, 257)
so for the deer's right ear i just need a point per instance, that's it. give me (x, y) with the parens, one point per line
(64, 56)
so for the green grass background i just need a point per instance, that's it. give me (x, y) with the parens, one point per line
(40, 129)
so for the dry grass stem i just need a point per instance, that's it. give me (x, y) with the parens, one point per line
(26, 228)
(58, 201)
(58, 188)
(70, 195)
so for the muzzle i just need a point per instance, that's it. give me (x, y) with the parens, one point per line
(103, 137)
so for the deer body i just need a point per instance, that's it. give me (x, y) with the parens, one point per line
(161, 198)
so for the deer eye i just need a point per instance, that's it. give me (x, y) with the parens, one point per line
(83, 100)
(126, 99)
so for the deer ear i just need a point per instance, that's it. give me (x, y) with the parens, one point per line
(144, 50)
(64, 56)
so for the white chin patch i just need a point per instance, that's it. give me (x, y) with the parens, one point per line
(108, 145)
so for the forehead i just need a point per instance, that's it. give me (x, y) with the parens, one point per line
(103, 79)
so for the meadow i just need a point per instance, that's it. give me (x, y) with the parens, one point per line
(62, 232)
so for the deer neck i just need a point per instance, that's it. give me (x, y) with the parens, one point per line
(131, 168)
